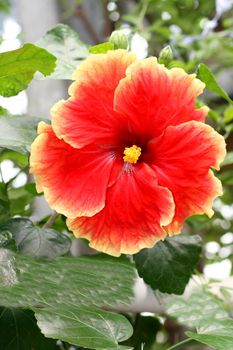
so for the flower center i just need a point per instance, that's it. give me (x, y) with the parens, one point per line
(131, 154)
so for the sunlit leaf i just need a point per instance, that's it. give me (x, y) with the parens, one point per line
(17, 68)
(18, 132)
(64, 43)
(70, 296)
(228, 115)
(217, 334)
(102, 48)
(200, 305)
(205, 75)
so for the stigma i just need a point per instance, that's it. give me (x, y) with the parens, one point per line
(132, 154)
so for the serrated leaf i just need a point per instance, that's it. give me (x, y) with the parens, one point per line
(18, 132)
(168, 266)
(102, 48)
(65, 44)
(17, 68)
(70, 296)
(19, 331)
(205, 75)
(217, 334)
(35, 241)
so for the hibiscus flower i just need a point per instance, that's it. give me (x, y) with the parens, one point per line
(128, 157)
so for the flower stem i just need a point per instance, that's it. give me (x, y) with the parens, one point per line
(178, 345)
(51, 220)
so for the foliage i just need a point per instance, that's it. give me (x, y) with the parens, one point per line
(51, 299)
(169, 264)
(18, 67)
(65, 45)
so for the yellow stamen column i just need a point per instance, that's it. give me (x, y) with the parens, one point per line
(131, 154)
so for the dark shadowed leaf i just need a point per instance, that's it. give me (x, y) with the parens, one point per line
(205, 75)
(64, 43)
(145, 330)
(19, 331)
(35, 241)
(18, 132)
(70, 296)
(168, 266)
(4, 203)
(17, 68)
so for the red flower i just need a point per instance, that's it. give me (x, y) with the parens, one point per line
(127, 158)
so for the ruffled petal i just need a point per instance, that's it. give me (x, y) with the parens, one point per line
(152, 97)
(135, 211)
(74, 181)
(182, 158)
(88, 115)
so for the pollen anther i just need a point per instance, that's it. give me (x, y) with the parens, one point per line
(131, 154)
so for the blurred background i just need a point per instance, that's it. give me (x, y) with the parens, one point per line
(197, 31)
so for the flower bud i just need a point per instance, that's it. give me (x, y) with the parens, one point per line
(166, 55)
(119, 40)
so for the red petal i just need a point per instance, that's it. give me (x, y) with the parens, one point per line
(88, 116)
(152, 97)
(182, 157)
(136, 209)
(74, 181)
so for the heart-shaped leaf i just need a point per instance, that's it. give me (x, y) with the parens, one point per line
(168, 266)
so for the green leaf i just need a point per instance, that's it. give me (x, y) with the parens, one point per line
(19, 331)
(35, 241)
(21, 201)
(102, 48)
(168, 266)
(5, 6)
(228, 159)
(228, 115)
(19, 159)
(4, 203)
(217, 334)
(200, 305)
(17, 68)
(145, 330)
(7, 240)
(207, 314)
(83, 326)
(18, 132)
(70, 296)
(205, 75)
(226, 177)
(64, 43)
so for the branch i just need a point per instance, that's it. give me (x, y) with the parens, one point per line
(51, 220)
